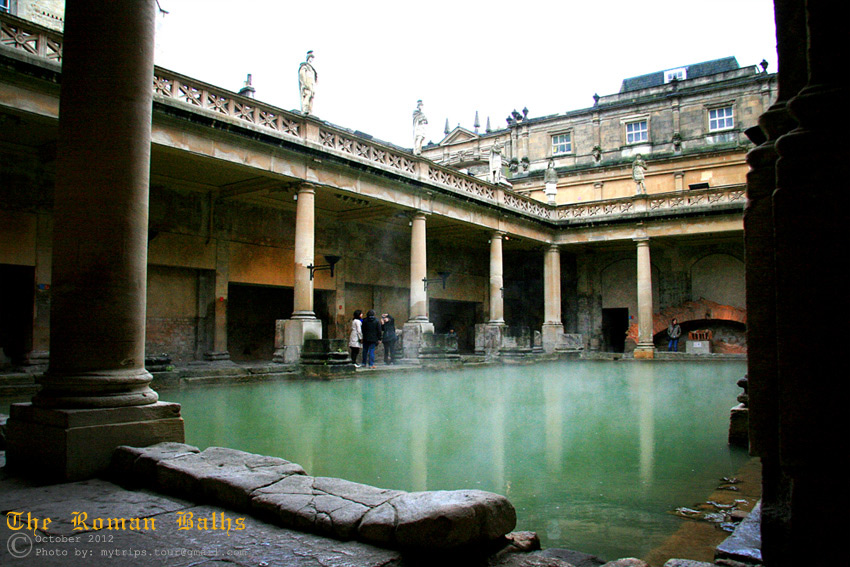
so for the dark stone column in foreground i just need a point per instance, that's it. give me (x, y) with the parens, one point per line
(96, 393)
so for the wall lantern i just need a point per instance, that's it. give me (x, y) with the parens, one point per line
(331, 262)
(443, 277)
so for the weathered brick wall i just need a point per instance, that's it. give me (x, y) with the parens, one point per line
(171, 323)
(173, 335)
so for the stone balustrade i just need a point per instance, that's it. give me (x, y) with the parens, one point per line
(675, 201)
(30, 38)
(170, 87)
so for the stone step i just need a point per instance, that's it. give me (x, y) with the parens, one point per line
(276, 489)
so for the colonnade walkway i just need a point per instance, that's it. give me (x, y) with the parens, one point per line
(19, 384)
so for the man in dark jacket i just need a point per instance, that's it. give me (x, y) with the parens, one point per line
(371, 337)
(389, 338)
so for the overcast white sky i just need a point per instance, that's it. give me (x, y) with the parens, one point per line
(375, 59)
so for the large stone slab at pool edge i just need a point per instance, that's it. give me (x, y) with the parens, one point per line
(439, 519)
(281, 491)
(223, 476)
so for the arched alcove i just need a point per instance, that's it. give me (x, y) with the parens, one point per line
(719, 278)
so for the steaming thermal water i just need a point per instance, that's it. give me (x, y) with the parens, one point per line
(593, 455)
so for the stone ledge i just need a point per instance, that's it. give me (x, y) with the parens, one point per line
(282, 492)
(744, 544)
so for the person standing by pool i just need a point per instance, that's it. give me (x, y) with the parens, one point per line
(389, 338)
(355, 340)
(674, 331)
(371, 337)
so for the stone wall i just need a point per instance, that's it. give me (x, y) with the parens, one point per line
(48, 13)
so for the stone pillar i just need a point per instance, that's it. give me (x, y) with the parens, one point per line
(810, 212)
(497, 296)
(96, 394)
(488, 337)
(760, 276)
(290, 334)
(553, 328)
(418, 269)
(219, 327)
(305, 242)
(41, 309)
(418, 323)
(646, 346)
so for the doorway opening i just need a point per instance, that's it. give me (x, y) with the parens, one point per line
(17, 289)
(460, 316)
(615, 325)
(251, 314)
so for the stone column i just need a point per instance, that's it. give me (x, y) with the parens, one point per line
(488, 336)
(810, 212)
(762, 364)
(418, 323)
(418, 269)
(497, 296)
(41, 313)
(305, 242)
(291, 333)
(222, 278)
(553, 328)
(646, 346)
(96, 394)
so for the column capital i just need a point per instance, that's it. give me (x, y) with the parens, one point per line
(306, 187)
(641, 240)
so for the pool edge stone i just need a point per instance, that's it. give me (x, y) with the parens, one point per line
(281, 491)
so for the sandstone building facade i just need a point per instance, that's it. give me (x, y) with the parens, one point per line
(222, 226)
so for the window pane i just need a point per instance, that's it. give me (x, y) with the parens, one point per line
(561, 144)
(720, 118)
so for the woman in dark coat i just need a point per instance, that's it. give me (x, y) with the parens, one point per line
(389, 338)
(371, 337)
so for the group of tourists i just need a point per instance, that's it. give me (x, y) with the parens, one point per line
(367, 333)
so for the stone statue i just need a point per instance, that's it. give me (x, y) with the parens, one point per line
(550, 175)
(638, 174)
(419, 123)
(495, 163)
(550, 183)
(307, 79)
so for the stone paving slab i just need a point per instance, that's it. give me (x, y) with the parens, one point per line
(279, 491)
(183, 534)
(178, 533)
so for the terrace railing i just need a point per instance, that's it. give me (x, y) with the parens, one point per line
(170, 88)
(676, 201)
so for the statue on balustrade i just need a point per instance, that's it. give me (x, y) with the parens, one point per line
(419, 123)
(639, 174)
(307, 79)
(496, 164)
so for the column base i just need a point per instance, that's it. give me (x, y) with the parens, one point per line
(217, 356)
(488, 337)
(644, 352)
(75, 444)
(553, 336)
(290, 335)
(413, 338)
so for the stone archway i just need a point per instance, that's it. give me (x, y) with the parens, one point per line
(693, 311)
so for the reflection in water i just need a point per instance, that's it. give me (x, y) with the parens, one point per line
(643, 387)
(592, 454)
